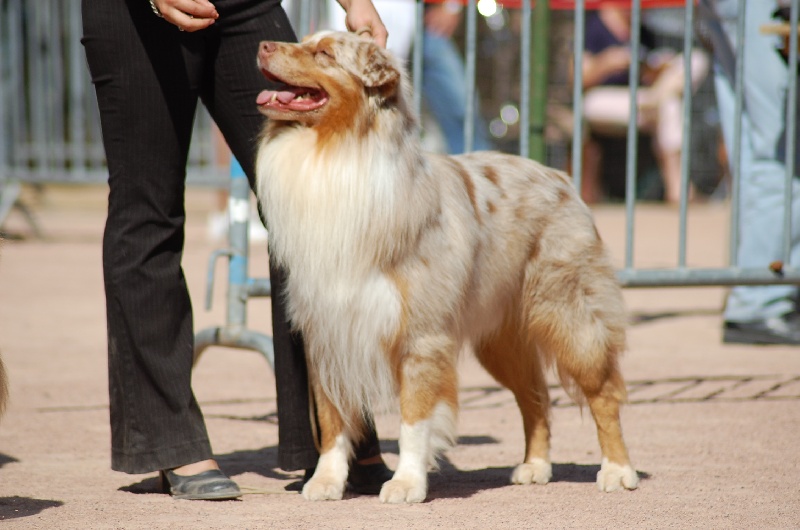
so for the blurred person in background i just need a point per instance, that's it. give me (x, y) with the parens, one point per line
(759, 314)
(606, 65)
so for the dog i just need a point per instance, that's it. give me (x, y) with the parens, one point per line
(398, 259)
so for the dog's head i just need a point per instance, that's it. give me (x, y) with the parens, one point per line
(328, 80)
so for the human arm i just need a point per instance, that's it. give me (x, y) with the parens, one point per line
(362, 16)
(188, 15)
(597, 67)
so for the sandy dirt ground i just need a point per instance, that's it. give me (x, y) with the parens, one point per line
(713, 430)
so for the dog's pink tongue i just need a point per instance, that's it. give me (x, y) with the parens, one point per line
(265, 96)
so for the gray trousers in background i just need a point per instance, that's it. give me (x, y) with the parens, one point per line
(762, 163)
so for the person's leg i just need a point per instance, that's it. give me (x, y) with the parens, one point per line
(444, 88)
(607, 109)
(667, 142)
(667, 95)
(231, 101)
(760, 314)
(761, 172)
(146, 108)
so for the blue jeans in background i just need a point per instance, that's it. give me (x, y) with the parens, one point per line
(762, 164)
(444, 87)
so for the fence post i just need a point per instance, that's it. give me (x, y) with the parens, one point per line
(540, 42)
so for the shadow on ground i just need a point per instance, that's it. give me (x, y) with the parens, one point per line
(6, 459)
(448, 482)
(17, 507)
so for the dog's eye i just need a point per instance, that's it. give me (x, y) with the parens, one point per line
(325, 53)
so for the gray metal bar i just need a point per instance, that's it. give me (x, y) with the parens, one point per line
(525, 79)
(9, 193)
(695, 277)
(56, 79)
(241, 338)
(736, 155)
(791, 135)
(577, 93)
(39, 141)
(19, 127)
(471, 39)
(633, 130)
(416, 63)
(304, 25)
(686, 151)
(5, 49)
(77, 87)
(259, 287)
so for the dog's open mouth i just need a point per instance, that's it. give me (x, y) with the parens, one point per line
(291, 98)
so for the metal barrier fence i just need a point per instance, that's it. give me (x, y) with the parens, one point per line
(50, 131)
(49, 122)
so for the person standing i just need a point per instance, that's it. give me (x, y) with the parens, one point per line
(759, 314)
(150, 62)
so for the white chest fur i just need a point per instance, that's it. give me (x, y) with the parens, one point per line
(329, 217)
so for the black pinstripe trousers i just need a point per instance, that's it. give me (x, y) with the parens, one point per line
(148, 77)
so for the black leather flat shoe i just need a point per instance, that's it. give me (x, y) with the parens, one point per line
(367, 479)
(777, 330)
(211, 485)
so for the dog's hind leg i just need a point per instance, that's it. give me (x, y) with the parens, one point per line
(515, 364)
(616, 471)
(583, 328)
(428, 408)
(330, 476)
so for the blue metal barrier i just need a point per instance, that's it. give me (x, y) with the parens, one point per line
(241, 287)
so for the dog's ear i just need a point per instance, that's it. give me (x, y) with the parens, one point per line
(378, 67)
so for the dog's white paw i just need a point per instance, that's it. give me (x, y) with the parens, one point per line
(323, 489)
(403, 491)
(612, 477)
(538, 471)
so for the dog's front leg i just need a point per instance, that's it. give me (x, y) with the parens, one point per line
(428, 406)
(329, 478)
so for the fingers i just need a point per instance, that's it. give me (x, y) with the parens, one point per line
(188, 15)
(380, 35)
(370, 30)
(364, 18)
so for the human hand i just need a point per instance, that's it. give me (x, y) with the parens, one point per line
(188, 15)
(615, 59)
(442, 19)
(362, 17)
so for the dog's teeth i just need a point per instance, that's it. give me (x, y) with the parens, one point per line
(274, 97)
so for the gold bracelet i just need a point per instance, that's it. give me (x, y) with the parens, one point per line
(155, 9)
